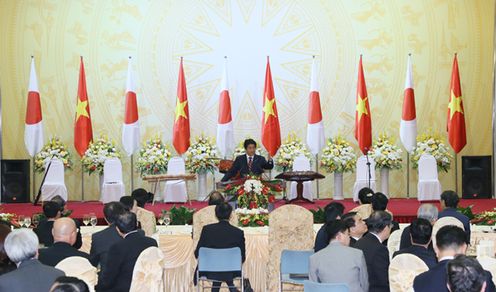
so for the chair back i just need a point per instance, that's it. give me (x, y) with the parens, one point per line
(55, 174)
(310, 286)
(206, 216)
(488, 264)
(112, 170)
(402, 271)
(147, 220)
(362, 168)
(176, 166)
(295, 261)
(290, 228)
(301, 163)
(219, 259)
(149, 271)
(393, 243)
(444, 221)
(364, 211)
(427, 167)
(485, 248)
(81, 268)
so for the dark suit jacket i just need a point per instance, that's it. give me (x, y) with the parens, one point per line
(221, 235)
(321, 239)
(454, 213)
(101, 242)
(31, 275)
(123, 255)
(406, 240)
(436, 278)
(428, 256)
(377, 259)
(44, 232)
(240, 166)
(52, 255)
(353, 242)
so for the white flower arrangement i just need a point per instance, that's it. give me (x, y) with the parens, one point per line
(153, 157)
(253, 185)
(240, 150)
(246, 211)
(433, 145)
(289, 150)
(385, 153)
(338, 156)
(201, 155)
(96, 154)
(53, 148)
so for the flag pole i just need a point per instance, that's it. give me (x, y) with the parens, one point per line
(132, 175)
(407, 175)
(317, 170)
(82, 182)
(34, 179)
(456, 173)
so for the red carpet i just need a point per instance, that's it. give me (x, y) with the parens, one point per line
(404, 210)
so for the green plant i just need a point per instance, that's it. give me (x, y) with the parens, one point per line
(318, 215)
(467, 211)
(180, 216)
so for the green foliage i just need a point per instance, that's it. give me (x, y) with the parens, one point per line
(180, 216)
(318, 215)
(467, 211)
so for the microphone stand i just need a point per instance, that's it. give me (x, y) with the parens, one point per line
(35, 203)
(369, 173)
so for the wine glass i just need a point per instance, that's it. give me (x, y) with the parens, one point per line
(161, 219)
(93, 219)
(86, 219)
(35, 220)
(167, 219)
(27, 221)
(21, 219)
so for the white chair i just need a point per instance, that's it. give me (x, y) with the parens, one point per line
(113, 185)
(402, 271)
(175, 190)
(362, 176)
(54, 181)
(393, 243)
(301, 163)
(148, 273)
(429, 187)
(488, 264)
(81, 268)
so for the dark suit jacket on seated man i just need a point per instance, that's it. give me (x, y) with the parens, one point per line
(250, 163)
(221, 235)
(449, 203)
(450, 241)
(117, 276)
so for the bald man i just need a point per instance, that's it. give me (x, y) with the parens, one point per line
(64, 235)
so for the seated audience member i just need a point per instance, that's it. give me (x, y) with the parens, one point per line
(6, 265)
(339, 263)
(332, 212)
(380, 203)
(64, 235)
(129, 203)
(62, 203)
(449, 203)
(420, 233)
(69, 284)
(376, 254)
(215, 198)
(21, 246)
(221, 235)
(425, 211)
(123, 255)
(145, 218)
(356, 225)
(101, 241)
(365, 196)
(450, 241)
(465, 274)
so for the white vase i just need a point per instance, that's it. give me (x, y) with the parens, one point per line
(338, 186)
(385, 181)
(100, 182)
(202, 185)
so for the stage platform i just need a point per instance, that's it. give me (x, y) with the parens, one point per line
(404, 210)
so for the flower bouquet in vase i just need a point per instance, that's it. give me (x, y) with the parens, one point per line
(338, 157)
(433, 145)
(387, 156)
(98, 151)
(201, 158)
(289, 150)
(54, 148)
(153, 157)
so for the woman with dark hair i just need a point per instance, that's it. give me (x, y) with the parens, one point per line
(6, 265)
(69, 284)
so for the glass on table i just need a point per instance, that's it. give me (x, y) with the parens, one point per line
(167, 219)
(21, 219)
(86, 219)
(160, 219)
(27, 221)
(35, 220)
(93, 219)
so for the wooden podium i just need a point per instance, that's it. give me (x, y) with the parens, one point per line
(157, 179)
(299, 177)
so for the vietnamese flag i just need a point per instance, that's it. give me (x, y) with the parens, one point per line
(33, 128)
(180, 133)
(363, 120)
(456, 114)
(271, 132)
(83, 132)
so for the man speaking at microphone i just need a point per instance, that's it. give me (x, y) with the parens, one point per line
(250, 163)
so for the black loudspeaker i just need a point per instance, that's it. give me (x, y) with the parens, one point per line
(476, 177)
(15, 181)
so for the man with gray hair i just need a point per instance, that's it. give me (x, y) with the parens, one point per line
(425, 211)
(21, 245)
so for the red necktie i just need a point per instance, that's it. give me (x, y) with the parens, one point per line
(250, 162)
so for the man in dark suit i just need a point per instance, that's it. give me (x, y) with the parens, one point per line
(449, 203)
(357, 226)
(332, 212)
(376, 254)
(117, 276)
(466, 274)
(52, 211)
(425, 211)
(250, 163)
(21, 245)
(420, 231)
(450, 241)
(64, 235)
(221, 235)
(102, 241)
